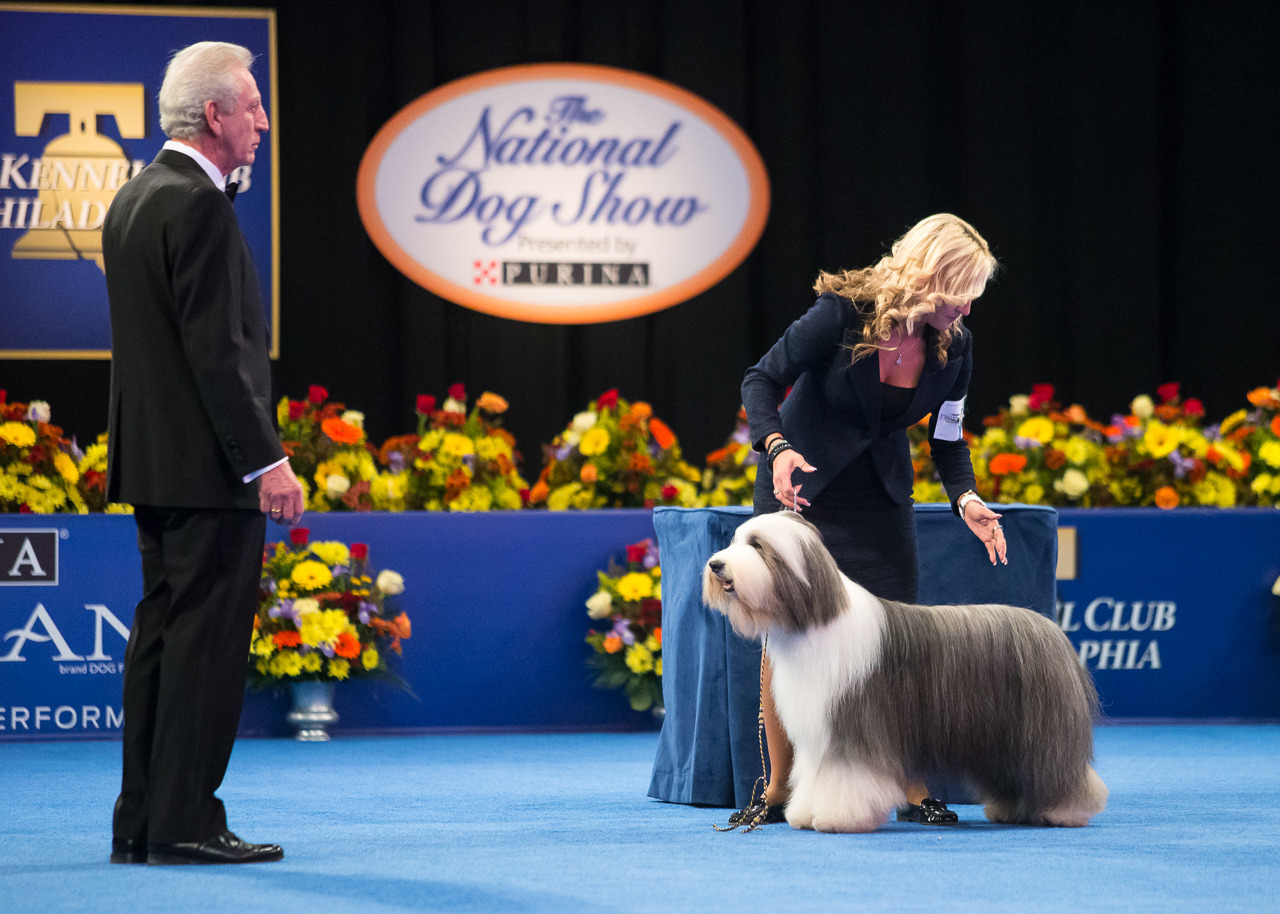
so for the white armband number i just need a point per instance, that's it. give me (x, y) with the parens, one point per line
(950, 424)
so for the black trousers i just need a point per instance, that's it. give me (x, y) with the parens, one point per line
(184, 671)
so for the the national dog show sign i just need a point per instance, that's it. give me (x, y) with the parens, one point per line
(563, 193)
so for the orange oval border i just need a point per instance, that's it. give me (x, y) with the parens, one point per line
(748, 235)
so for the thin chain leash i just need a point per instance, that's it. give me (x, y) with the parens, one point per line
(756, 819)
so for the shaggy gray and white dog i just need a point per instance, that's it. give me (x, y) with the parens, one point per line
(875, 694)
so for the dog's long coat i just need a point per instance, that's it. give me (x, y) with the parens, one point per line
(876, 694)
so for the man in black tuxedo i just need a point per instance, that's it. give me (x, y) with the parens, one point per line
(193, 447)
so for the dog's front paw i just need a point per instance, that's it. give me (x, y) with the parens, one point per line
(799, 818)
(857, 826)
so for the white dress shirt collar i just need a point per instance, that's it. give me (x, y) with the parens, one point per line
(217, 177)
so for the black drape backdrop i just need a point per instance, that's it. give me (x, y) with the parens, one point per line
(1120, 157)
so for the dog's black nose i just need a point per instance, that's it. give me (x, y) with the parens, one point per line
(715, 565)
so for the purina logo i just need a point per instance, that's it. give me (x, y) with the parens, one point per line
(28, 557)
(563, 193)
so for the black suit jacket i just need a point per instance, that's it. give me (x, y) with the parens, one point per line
(832, 414)
(190, 411)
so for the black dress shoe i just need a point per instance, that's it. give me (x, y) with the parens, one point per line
(128, 850)
(929, 812)
(759, 814)
(223, 848)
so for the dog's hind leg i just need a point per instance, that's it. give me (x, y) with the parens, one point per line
(853, 797)
(1090, 799)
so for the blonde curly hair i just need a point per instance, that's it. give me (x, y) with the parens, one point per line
(940, 260)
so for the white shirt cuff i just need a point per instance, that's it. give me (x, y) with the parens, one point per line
(252, 476)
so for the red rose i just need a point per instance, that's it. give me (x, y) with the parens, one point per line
(296, 409)
(669, 492)
(1168, 391)
(426, 404)
(1193, 407)
(608, 399)
(3, 393)
(360, 551)
(298, 536)
(636, 551)
(458, 391)
(24, 508)
(317, 394)
(650, 612)
(1041, 394)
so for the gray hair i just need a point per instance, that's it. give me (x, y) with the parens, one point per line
(199, 73)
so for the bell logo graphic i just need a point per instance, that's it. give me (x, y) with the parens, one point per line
(79, 172)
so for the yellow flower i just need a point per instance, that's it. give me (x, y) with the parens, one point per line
(339, 668)
(1161, 440)
(312, 662)
(305, 605)
(1033, 494)
(67, 467)
(311, 575)
(320, 628)
(369, 658)
(261, 647)
(1269, 453)
(286, 663)
(1229, 424)
(1073, 483)
(1038, 428)
(595, 441)
(1077, 450)
(635, 585)
(657, 666)
(331, 552)
(456, 446)
(18, 433)
(639, 659)
(490, 447)
(652, 644)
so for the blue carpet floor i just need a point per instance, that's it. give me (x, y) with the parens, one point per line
(560, 823)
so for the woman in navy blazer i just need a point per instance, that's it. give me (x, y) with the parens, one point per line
(882, 348)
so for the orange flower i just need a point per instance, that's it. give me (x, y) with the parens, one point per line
(1275, 426)
(1002, 464)
(718, 455)
(539, 492)
(1167, 497)
(661, 433)
(492, 403)
(348, 646)
(1167, 413)
(340, 432)
(641, 410)
(589, 473)
(640, 463)
(401, 627)
(657, 634)
(1261, 396)
(287, 639)
(1054, 458)
(612, 644)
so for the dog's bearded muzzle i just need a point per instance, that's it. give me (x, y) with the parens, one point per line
(721, 573)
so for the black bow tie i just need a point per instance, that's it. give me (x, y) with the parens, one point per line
(232, 187)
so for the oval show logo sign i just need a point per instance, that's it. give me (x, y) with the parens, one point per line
(563, 193)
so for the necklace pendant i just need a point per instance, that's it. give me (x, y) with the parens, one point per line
(898, 360)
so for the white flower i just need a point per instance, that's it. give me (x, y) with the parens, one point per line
(1019, 404)
(583, 421)
(354, 417)
(336, 485)
(304, 605)
(453, 406)
(1142, 406)
(1073, 483)
(38, 411)
(390, 583)
(600, 605)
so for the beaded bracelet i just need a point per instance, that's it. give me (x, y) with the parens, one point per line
(782, 444)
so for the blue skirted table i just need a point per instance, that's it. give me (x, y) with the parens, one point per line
(708, 750)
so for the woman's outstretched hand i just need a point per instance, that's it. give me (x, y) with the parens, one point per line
(985, 525)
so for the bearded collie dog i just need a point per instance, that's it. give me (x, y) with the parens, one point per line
(874, 694)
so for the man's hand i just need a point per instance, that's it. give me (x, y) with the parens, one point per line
(280, 495)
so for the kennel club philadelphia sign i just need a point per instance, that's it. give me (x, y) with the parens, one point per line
(563, 193)
(78, 119)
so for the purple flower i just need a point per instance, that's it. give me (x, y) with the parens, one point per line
(1181, 465)
(470, 461)
(563, 452)
(1025, 443)
(650, 554)
(284, 611)
(395, 460)
(622, 629)
(367, 612)
(741, 435)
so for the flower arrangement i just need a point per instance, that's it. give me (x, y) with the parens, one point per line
(323, 614)
(1257, 431)
(457, 461)
(1034, 451)
(730, 476)
(328, 452)
(629, 654)
(41, 472)
(615, 454)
